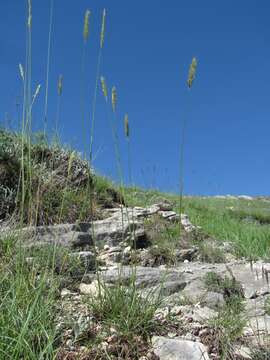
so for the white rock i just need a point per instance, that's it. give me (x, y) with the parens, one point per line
(91, 289)
(178, 349)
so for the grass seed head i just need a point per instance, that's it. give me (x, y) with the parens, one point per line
(114, 98)
(102, 34)
(29, 21)
(192, 72)
(36, 93)
(126, 123)
(104, 87)
(60, 85)
(21, 71)
(86, 25)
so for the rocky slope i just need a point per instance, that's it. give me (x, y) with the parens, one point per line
(195, 319)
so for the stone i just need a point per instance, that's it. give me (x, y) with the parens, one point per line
(187, 254)
(91, 289)
(166, 214)
(178, 349)
(213, 300)
(243, 352)
(203, 314)
(165, 206)
(188, 227)
(86, 259)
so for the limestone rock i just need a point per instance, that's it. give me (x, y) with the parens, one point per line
(178, 349)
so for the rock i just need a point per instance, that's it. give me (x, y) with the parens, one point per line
(165, 206)
(54, 236)
(213, 300)
(65, 293)
(242, 352)
(167, 214)
(178, 349)
(186, 254)
(188, 227)
(91, 289)
(203, 314)
(127, 251)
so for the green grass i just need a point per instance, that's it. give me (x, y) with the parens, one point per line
(220, 219)
(27, 308)
(226, 285)
(122, 307)
(228, 326)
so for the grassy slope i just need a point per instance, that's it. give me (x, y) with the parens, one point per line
(245, 223)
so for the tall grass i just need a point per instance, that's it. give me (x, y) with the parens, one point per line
(190, 80)
(27, 307)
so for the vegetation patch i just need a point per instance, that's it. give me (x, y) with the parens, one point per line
(226, 285)
(27, 308)
(121, 309)
(227, 328)
(211, 254)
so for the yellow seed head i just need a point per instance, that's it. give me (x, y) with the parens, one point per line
(86, 25)
(60, 85)
(192, 72)
(104, 87)
(114, 98)
(29, 21)
(21, 71)
(126, 122)
(102, 34)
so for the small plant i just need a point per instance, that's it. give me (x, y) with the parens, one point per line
(228, 327)
(124, 308)
(211, 254)
(229, 287)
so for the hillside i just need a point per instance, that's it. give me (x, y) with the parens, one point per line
(91, 270)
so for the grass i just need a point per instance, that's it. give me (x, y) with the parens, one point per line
(27, 307)
(219, 219)
(228, 327)
(125, 314)
(164, 238)
(42, 184)
(228, 286)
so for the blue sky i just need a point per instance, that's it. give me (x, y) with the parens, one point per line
(148, 48)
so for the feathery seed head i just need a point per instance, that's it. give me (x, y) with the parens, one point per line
(114, 98)
(29, 21)
(21, 71)
(104, 87)
(71, 158)
(192, 72)
(102, 34)
(86, 25)
(126, 122)
(36, 93)
(60, 85)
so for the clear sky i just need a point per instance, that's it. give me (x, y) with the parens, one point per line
(148, 48)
